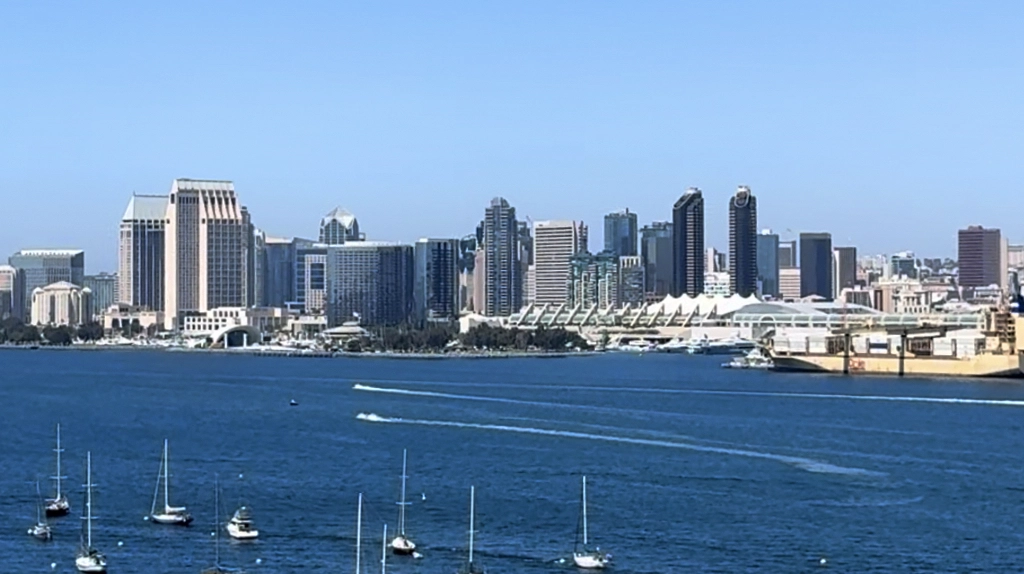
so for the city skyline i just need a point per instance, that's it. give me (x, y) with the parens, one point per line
(412, 117)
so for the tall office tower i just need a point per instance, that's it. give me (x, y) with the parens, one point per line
(903, 264)
(556, 242)
(656, 256)
(140, 271)
(714, 261)
(370, 282)
(788, 255)
(104, 289)
(743, 242)
(620, 233)
(467, 271)
(503, 282)
(593, 280)
(480, 282)
(42, 267)
(311, 287)
(816, 265)
(339, 226)
(11, 292)
(631, 281)
(688, 244)
(436, 280)
(844, 270)
(252, 242)
(768, 263)
(278, 272)
(526, 248)
(979, 254)
(204, 255)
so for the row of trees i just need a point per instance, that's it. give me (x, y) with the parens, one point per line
(14, 331)
(499, 338)
(439, 337)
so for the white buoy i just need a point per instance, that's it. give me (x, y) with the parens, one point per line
(823, 561)
(53, 565)
(259, 561)
(146, 518)
(120, 543)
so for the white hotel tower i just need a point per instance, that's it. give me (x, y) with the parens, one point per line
(205, 251)
(554, 244)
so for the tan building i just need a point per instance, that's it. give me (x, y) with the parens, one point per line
(61, 303)
(555, 243)
(789, 283)
(205, 249)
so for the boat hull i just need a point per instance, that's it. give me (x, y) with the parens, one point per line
(981, 366)
(91, 563)
(590, 561)
(239, 532)
(40, 532)
(57, 507)
(403, 546)
(171, 519)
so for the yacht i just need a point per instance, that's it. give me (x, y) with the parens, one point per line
(168, 514)
(240, 527)
(755, 359)
(582, 556)
(58, 505)
(89, 559)
(41, 530)
(402, 544)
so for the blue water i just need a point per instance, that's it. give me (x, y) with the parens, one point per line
(691, 468)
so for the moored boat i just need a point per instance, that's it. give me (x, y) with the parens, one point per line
(176, 515)
(402, 544)
(89, 559)
(582, 555)
(241, 527)
(58, 505)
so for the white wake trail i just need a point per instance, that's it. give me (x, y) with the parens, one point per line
(803, 463)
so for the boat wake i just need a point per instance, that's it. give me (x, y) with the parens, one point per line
(807, 464)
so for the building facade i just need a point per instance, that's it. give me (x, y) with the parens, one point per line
(979, 257)
(42, 267)
(768, 263)
(104, 289)
(594, 280)
(631, 281)
(278, 269)
(717, 284)
(789, 283)
(503, 282)
(903, 264)
(688, 244)
(436, 280)
(844, 269)
(370, 282)
(743, 242)
(205, 250)
(656, 256)
(141, 258)
(12, 293)
(338, 227)
(61, 304)
(816, 265)
(620, 233)
(788, 255)
(555, 244)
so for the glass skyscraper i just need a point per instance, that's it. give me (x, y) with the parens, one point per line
(816, 265)
(620, 233)
(688, 244)
(768, 263)
(743, 243)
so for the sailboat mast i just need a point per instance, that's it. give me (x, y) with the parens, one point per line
(472, 513)
(584, 511)
(359, 531)
(88, 499)
(402, 504)
(39, 505)
(216, 519)
(167, 487)
(384, 552)
(59, 450)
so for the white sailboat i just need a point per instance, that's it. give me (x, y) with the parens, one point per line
(470, 567)
(581, 555)
(402, 544)
(217, 568)
(58, 505)
(41, 530)
(168, 514)
(89, 559)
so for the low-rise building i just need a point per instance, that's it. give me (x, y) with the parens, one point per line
(263, 319)
(61, 303)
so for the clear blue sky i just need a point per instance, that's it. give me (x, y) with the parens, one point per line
(890, 124)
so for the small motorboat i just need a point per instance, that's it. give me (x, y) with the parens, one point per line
(293, 403)
(755, 359)
(240, 527)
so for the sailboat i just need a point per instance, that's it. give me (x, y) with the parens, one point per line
(168, 514)
(58, 505)
(469, 567)
(217, 568)
(89, 559)
(401, 544)
(41, 530)
(583, 557)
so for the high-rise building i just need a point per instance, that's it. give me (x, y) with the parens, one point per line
(556, 242)
(844, 270)
(788, 255)
(620, 231)
(253, 242)
(42, 267)
(338, 227)
(903, 264)
(140, 272)
(104, 293)
(656, 256)
(768, 263)
(526, 289)
(503, 283)
(278, 272)
(631, 281)
(789, 283)
(370, 282)
(715, 261)
(688, 244)
(743, 242)
(816, 265)
(436, 280)
(979, 254)
(12, 290)
(204, 255)
(593, 280)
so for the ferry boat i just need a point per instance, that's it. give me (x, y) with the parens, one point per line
(994, 350)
